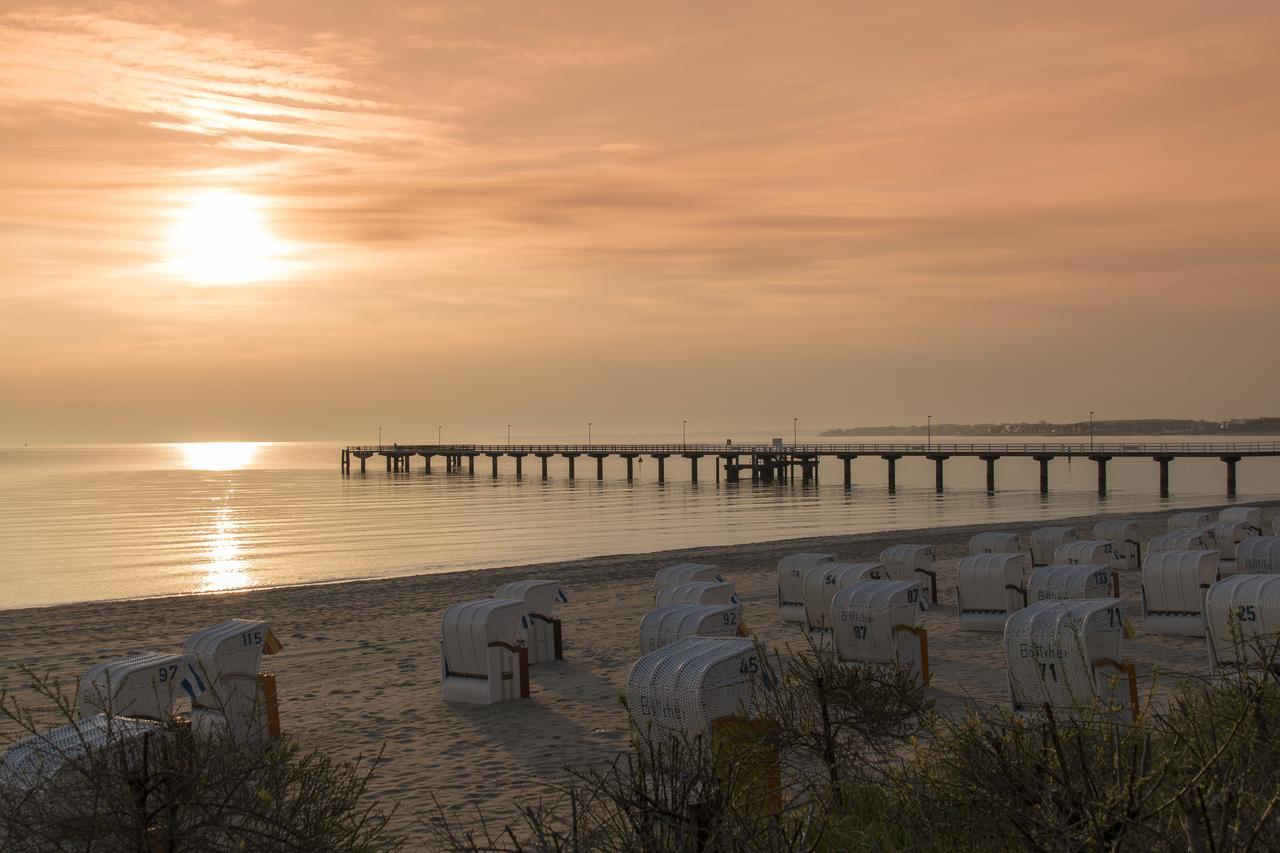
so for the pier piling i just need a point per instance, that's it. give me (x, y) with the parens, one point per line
(991, 472)
(1231, 473)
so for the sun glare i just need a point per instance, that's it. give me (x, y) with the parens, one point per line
(218, 455)
(222, 237)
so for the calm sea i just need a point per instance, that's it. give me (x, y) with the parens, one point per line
(82, 523)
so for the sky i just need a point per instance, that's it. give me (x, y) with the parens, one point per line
(307, 220)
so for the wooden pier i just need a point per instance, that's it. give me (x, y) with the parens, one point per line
(772, 463)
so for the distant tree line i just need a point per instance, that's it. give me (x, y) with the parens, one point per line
(1147, 426)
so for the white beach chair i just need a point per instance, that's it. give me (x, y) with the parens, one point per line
(996, 542)
(1250, 515)
(1125, 538)
(791, 572)
(912, 563)
(144, 685)
(35, 761)
(1258, 555)
(1068, 655)
(821, 585)
(1185, 520)
(664, 626)
(877, 622)
(1227, 536)
(679, 573)
(682, 688)
(699, 592)
(1183, 539)
(989, 588)
(1045, 540)
(1090, 552)
(544, 634)
(1060, 581)
(1174, 584)
(482, 657)
(1242, 617)
(231, 696)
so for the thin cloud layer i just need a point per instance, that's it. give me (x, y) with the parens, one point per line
(866, 206)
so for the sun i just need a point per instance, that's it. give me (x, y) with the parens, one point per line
(221, 237)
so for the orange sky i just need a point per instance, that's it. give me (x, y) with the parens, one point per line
(547, 213)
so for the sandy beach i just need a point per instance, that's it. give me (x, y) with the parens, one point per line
(360, 667)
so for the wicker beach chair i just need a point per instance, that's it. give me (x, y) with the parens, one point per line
(144, 685)
(684, 573)
(1174, 584)
(1183, 539)
(989, 588)
(823, 582)
(1242, 621)
(791, 572)
(1045, 540)
(36, 761)
(233, 697)
(1258, 555)
(1060, 581)
(1125, 538)
(876, 622)
(912, 562)
(996, 542)
(1185, 520)
(666, 625)
(698, 592)
(684, 687)
(543, 633)
(482, 655)
(1068, 655)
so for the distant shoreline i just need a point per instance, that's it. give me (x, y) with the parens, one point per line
(973, 432)
(1155, 427)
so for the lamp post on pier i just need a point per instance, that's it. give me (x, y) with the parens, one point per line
(929, 440)
(439, 433)
(508, 436)
(795, 431)
(1091, 430)
(588, 433)
(684, 433)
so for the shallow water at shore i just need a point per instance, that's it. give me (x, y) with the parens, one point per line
(85, 523)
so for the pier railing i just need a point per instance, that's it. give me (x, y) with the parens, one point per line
(1111, 448)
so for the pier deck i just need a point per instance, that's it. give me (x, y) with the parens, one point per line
(770, 463)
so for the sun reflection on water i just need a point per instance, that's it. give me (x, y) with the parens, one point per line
(218, 455)
(225, 568)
